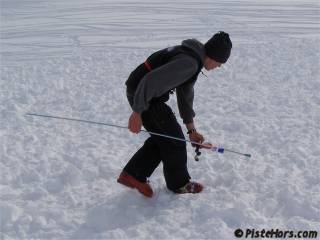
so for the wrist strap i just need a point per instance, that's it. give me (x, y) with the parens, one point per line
(191, 131)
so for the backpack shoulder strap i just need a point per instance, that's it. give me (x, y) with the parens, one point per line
(163, 56)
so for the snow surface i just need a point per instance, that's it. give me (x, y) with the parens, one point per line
(71, 58)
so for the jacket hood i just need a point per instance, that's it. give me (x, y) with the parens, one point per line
(196, 46)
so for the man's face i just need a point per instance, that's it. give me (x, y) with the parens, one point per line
(210, 64)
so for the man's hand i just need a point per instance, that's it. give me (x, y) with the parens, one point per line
(135, 122)
(196, 137)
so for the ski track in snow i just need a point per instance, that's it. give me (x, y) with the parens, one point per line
(58, 178)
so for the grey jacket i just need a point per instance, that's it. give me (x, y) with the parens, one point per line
(171, 75)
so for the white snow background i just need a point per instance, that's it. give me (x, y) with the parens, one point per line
(71, 58)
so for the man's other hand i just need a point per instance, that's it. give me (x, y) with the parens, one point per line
(135, 122)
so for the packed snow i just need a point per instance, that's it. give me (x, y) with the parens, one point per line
(71, 59)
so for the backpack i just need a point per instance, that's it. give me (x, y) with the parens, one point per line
(159, 59)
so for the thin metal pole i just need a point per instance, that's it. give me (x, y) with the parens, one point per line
(220, 150)
(110, 125)
(243, 154)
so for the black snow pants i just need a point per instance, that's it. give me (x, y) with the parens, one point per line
(159, 118)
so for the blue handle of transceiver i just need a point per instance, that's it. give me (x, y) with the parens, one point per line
(220, 150)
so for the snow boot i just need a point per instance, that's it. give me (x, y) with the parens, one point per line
(190, 187)
(129, 181)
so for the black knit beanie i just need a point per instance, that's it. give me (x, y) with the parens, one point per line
(219, 47)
